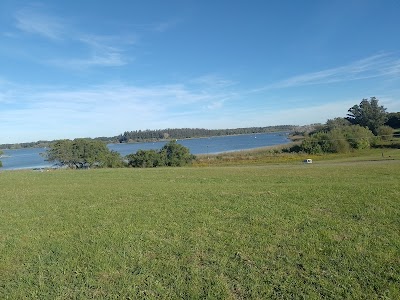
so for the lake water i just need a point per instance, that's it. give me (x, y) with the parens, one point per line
(30, 158)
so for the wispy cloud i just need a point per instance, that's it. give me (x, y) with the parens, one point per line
(96, 50)
(103, 51)
(31, 21)
(100, 110)
(379, 65)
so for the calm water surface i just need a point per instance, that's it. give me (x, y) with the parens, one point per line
(31, 158)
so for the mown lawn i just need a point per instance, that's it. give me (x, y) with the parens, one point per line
(249, 232)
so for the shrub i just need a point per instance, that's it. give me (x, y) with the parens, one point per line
(359, 137)
(145, 159)
(172, 154)
(385, 132)
(339, 143)
(338, 140)
(316, 143)
(176, 155)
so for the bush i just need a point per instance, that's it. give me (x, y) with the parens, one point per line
(393, 120)
(359, 137)
(385, 132)
(145, 159)
(176, 155)
(172, 154)
(338, 140)
(316, 143)
(339, 143)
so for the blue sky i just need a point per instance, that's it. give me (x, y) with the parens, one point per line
(98, 68)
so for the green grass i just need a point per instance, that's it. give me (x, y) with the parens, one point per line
(274, 155)
(326, 230)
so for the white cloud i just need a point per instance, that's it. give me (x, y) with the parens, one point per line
(379, 65)
(96, 50)
(104, 110)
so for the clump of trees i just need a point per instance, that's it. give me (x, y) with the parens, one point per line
(368, 114)
(364, 125)
(338, 140)
(82, 153)
(88, 153)
(393, 120)
(172, 155)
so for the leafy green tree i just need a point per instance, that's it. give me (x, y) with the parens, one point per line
(339, 140)
(113, 160)
(1, 164)
(316, 143)
(368, 114)
(145, 159)
(172, 154)
(176, 155)
(393, 120)
(82, 153)
(359, 137)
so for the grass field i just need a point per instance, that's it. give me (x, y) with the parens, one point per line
(284, 230)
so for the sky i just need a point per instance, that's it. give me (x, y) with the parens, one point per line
(92, 68)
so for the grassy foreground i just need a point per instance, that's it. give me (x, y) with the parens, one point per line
(247, 232)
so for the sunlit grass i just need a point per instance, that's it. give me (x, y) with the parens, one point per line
(275, 155)
(283, 230)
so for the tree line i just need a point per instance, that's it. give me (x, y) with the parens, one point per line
(185, 133)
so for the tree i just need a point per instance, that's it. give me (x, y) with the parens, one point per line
(172, 155)
(316, 143)
(82, 153)
(359, 137)
(176, 155)
(338, 140)
(368, 114)
(145, 159)
(393, 120)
